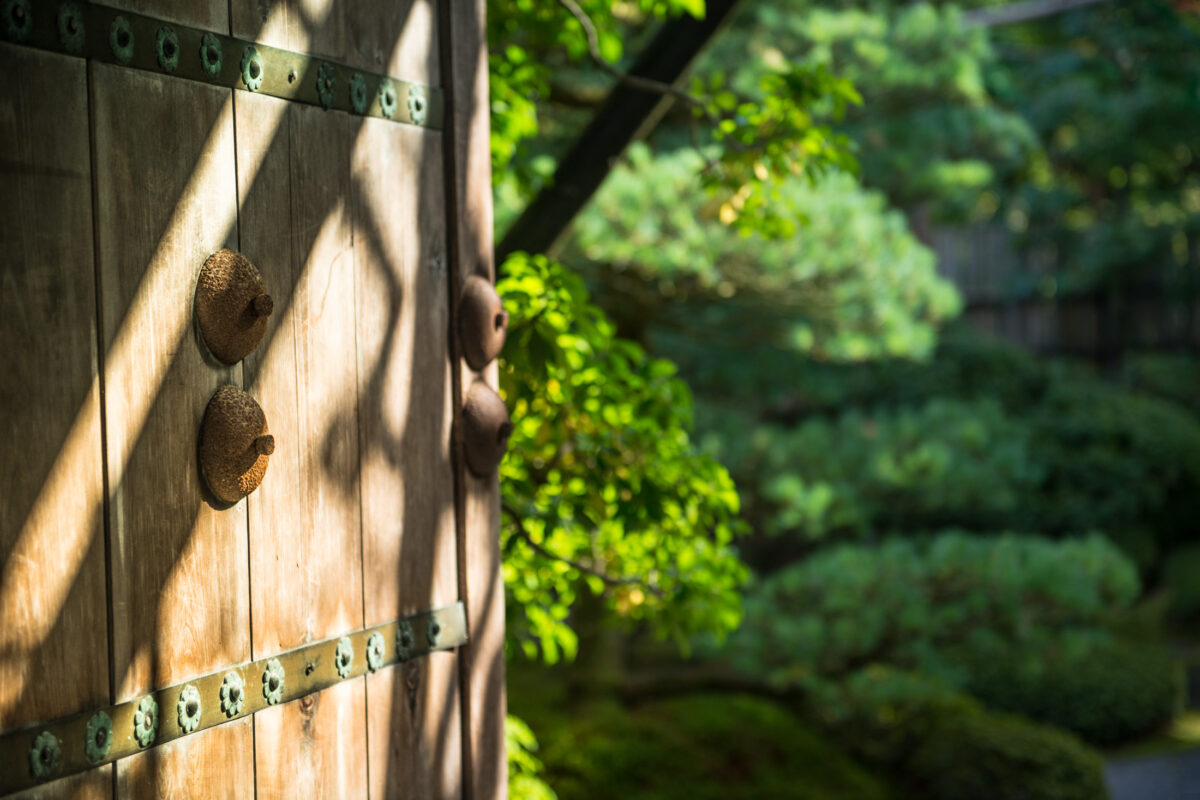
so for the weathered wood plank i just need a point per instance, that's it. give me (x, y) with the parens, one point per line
(465, 74)
(313, 747)
(94, 785)
(304, 26)
(405, 419)
(305, 539)
(53, 620)
(396, 38)
(211, 15)
(413, 721)
(211, 765)
(165, 187)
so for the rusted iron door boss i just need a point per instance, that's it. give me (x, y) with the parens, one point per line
(248, 501)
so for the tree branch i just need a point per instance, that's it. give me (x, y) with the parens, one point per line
(607, 579)
(632, 81)
(1020, 11)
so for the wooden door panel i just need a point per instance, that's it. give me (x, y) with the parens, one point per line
(53, 638)
(211, 765)
(211, 15)
(303, 26)
(405, 418)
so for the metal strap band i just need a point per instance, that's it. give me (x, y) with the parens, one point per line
(305, 670)
(279, 73)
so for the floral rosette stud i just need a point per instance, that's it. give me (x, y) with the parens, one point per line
(418, 104)
(358, 93)
(272, 682)
(233, 694)
(166, 46)
(210, 55)
(145, 721)
(387, 99)
(344, 657)
(98, 738)
(188, 708)
(120, 40)
(326, 84)
(70, 27)
(375, 651)
(45, 755)
(433, 631)
(252, 69)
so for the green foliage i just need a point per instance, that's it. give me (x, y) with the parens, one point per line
(1107, 693)
(524, 767)
(941, 744)
(1181, 574)
(602, 473)
(701, 747)
(936, 607)
(928, 129)
(1111, 92)
(855, 285)
(1000, 757)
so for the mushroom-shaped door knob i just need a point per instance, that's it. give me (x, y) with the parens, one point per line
(486, 428)
(234, 444)
(482, 322)
(232, 305)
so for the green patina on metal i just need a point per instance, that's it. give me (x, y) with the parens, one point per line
(71, 29)
(375, 651)
(120, 39)
(210, 55)
(45, 756)
(145, 721)
(405, 639)
(418, 104)
(358, 93)
(166, 45)
(252, 69)
(18, 19)
(387, 99)
(233, 694)
(326, 84)
(344, 656)
(97, 739)
(188, 708)
(272, 681)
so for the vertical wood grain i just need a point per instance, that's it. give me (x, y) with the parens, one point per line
(305, 540)
(211, 765)
(53, 620)
(469, 206)
(211, 15)
(165, 189)
(405, 418)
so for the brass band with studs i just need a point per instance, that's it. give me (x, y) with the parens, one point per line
(100, 33)
(98, 736)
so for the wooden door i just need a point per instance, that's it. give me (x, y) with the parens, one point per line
(130, 154)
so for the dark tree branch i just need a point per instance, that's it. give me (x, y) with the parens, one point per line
(608, 580)
(629, 113)
(1020, 11)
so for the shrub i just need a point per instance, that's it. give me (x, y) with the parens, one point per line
(1107, 693)
(700, 747)
(945, 746)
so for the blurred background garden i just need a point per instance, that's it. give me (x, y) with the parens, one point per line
(857, 447)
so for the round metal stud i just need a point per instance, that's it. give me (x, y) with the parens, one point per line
(210, 55)
(145, 721)
(433, 631)
(18, 19)
(344, 657)
(98, 738)
(405, 640)
(252, 69)
(166, 45)
(70, 27)
(418, 104)
(235, 446)
(326, 84)
(375, 651)
(358, 93)
(387, 99)
(45, 756)
(482, 322)
(272, 682)
(233, 694)
(486, 428)
(232, 305)
(120, 39)
(188, 708)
